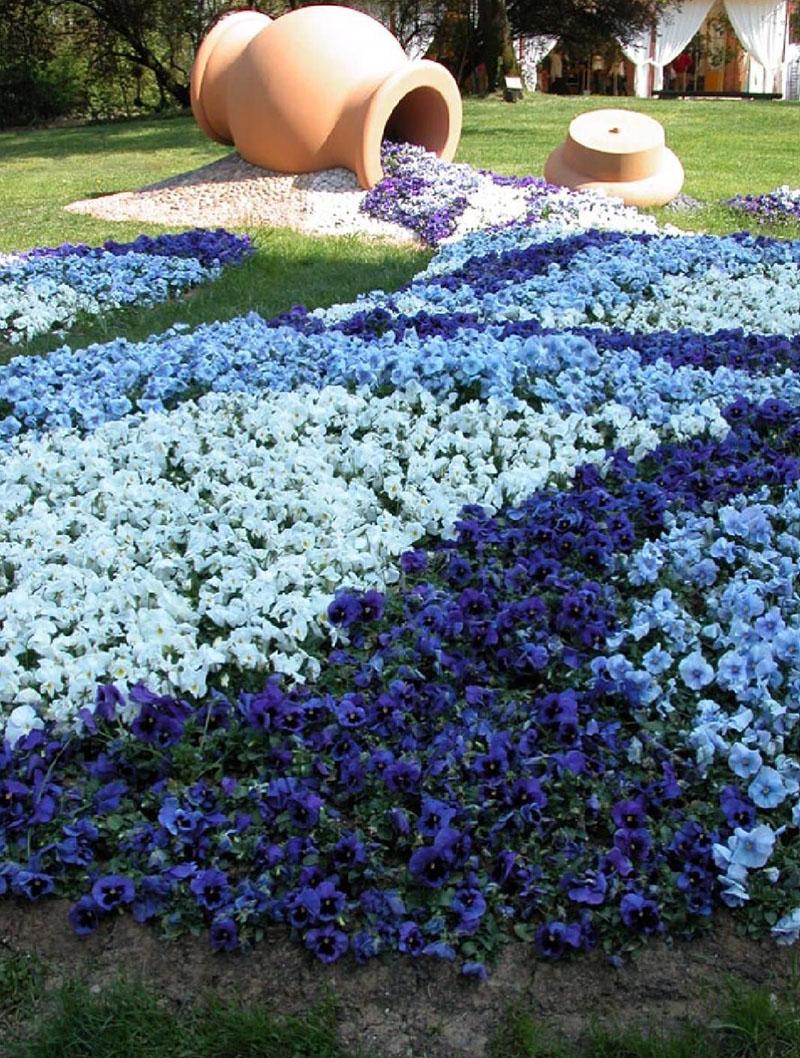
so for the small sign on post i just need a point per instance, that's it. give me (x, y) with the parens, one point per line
(512, 90)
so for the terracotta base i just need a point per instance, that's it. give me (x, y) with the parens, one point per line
(620, 152)
(317, 88)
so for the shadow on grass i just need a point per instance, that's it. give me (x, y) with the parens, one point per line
(151, 135)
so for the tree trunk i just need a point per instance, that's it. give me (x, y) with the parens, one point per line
(113, 18)
(497, 49)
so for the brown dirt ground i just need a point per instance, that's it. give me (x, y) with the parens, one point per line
(396, 1007)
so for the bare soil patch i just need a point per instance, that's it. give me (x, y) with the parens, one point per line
(399, 1007)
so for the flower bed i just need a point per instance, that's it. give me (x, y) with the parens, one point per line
(438, 200)
(518, 736)
(449, 328)
(48, 288)
(214, 537)
(429, 622)
(781, 206)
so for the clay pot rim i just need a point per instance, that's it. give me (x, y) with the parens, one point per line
(421, 73)
(657, 189)
(204, 53)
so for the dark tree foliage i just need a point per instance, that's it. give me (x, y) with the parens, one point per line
(103, 57)
(35, 81)
(583, 22)
(157, 35)
(57, 56)
(494, 37)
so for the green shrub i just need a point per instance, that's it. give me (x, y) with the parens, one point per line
(34, 93)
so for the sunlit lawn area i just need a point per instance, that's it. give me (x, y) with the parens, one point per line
(727, 147)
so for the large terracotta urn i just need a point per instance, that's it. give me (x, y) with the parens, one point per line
(621, 152)
(317, 88)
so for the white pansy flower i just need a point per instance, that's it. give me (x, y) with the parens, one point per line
(226, 525)
(22, 720)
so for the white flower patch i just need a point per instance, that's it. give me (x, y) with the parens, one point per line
(166, 547)
(41, 306)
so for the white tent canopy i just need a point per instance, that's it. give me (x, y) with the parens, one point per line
(760, 25)
(531, 50)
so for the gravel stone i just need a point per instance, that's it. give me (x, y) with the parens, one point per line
(233, 192)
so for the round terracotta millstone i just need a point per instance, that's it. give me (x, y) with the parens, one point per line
(620, 152)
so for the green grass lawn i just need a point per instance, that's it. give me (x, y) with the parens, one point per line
(126, 1018)
(43, 170)
(726, 147)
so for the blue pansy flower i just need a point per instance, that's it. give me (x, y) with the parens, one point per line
(695, 671)
(767, 789)
(743, 761)
(752, 848)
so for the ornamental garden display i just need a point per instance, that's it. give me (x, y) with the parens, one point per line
(318, 88)
(620, 152)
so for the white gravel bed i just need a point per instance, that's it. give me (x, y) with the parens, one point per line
(233, 192)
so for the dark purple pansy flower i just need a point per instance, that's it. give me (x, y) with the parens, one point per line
(109, 796)
(555, 938)
(177, 820)
(328, 944)
(223, 935)
(469, 903)
(633, 843)
(350, 713)
(739, 810)
(33, 884)
(345, 609)
(431, 866)
(433, 816)
(331, 901)
(372, 604)
(348, 853)
(84, 916)
(639, 913)
(301, 907)
(410, 939)
(107, 700)
(589, 888)
(76, 848)
(112, 890)
(630, 814)
(304, 810)
(151, 894)
(210, 888)
(413, 561)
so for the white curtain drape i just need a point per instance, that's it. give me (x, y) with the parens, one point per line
(531, 51)
(676, 28)
(418, 35)
(791, 73)
(419, 44)
(760, 25)
(637, 51)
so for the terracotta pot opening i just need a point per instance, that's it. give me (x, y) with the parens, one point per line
(421, 117)
(419, 103)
